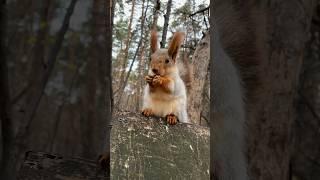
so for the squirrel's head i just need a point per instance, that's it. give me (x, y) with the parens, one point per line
(163, 61)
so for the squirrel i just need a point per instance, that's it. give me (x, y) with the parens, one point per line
(237, 51)
(165, 93)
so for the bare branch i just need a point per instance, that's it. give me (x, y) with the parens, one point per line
(200, 11)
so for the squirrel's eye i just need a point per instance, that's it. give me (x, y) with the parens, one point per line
(167, 61)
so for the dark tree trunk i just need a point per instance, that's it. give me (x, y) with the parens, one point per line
(38, 79)
(155, 14)
(279, 31)
(166, 23)
(14, 156)
(6, 126)
(109, 14)
(271, 117)
(306, 149)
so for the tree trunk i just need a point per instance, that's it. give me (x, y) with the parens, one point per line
(270, 118)
(141, 69)
(155, 14)
(109, 15)
(16, 144)
(39, 78)
(127, 76)
(124, 84)
(166, 23)
(200, 62)
(6, 125)
(126, 50)
(306, 149)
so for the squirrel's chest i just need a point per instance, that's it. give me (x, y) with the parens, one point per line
(160, 95)
(163, 103)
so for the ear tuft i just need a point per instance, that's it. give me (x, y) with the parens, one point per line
(154, 41)
(175, 44)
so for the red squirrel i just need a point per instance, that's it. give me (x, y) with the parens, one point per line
(165, 93)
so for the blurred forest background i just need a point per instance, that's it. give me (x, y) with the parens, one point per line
(55, 79)
(56, 90)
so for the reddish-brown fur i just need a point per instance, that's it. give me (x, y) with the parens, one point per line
(159, 82)
(165, 93)
(175, 43)
(154, 41)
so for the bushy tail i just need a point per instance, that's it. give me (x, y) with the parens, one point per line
(238, 42)
(241, 26)
(186, 71)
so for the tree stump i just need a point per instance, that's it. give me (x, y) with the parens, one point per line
(148, 148)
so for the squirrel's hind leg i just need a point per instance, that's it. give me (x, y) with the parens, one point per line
(171, 119)
(147, 112)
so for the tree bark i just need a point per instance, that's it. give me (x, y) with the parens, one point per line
(306, 148)
(270, 118)
(200, 60)
(139, 83)
(109, 94)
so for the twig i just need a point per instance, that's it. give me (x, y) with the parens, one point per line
(200, 11)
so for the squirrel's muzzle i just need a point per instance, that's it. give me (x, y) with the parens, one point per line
(155, 71)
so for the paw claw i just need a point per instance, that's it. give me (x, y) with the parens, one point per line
(172, 119)
(149, 79)
(157, 80)
(147, 112)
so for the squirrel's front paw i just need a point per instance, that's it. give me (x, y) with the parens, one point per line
(172, 119)
(149, 79)
(147, 112)
(157, 80)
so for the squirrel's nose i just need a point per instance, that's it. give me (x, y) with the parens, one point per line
(155, 71)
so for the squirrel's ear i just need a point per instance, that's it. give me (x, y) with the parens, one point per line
(154, 41)
(175, 43)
